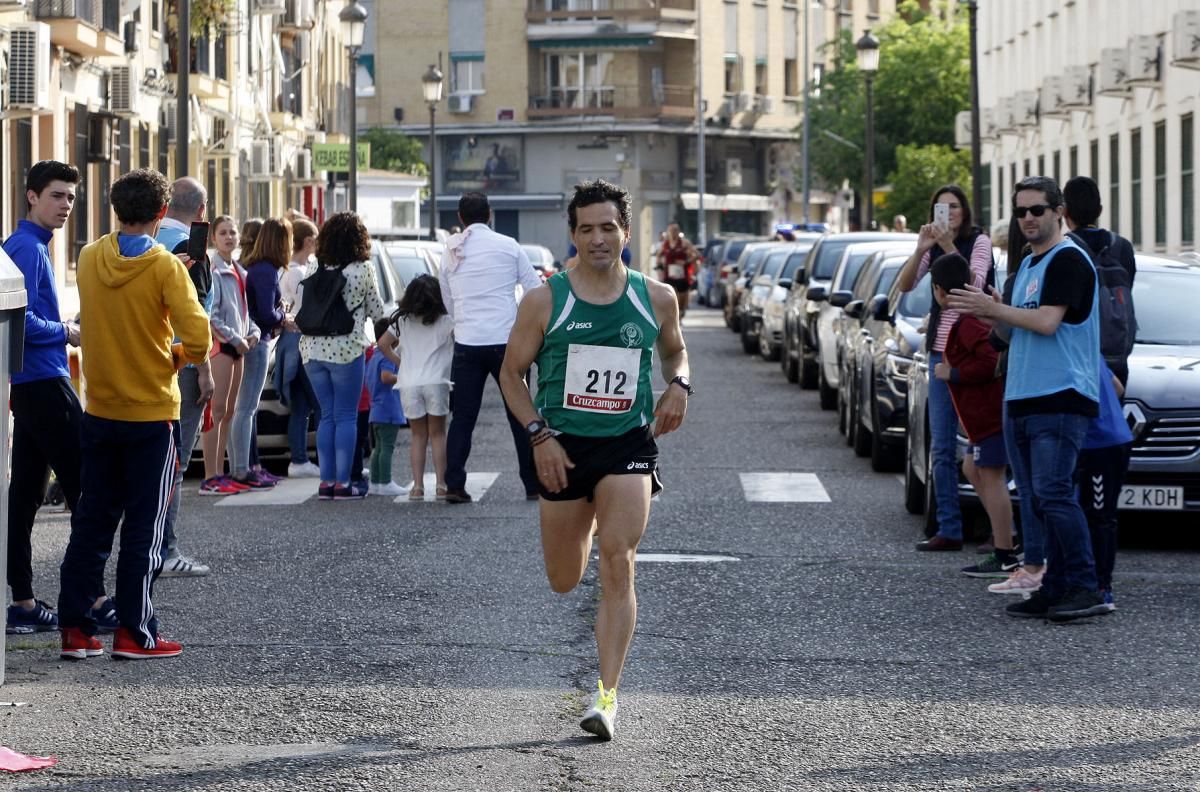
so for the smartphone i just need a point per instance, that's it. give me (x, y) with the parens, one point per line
(941, 214)
(197, 247)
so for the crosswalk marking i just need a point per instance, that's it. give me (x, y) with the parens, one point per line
(784, 488)
(288, 492)
(477, 485)
(682, 558)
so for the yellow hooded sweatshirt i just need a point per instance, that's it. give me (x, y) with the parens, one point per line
(130, 312)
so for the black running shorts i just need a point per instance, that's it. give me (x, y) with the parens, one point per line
(632, 453)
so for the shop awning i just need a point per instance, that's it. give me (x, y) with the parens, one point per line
(732, 202)
(592, 43)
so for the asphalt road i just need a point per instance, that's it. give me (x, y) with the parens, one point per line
(380, 646)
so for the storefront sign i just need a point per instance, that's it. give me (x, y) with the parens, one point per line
(336, 156)
(487, 164)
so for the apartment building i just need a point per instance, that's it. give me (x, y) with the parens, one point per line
(1103, 88)
(94, 83)
(542, 94)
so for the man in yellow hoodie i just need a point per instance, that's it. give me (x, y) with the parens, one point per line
(135, 297)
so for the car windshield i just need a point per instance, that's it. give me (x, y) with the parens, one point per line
(408, 267)
(794, 262)
(733, 250)
(1165, 312)
(774, 264)
(827, 254)
(886, 280)
(851, 269)
(755, 261)
(916, 303)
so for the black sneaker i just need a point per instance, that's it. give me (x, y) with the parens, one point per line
(999, 564)
(41, 618)
(105, 616)
(1036, 607)
(458, 496)
(1078, 603)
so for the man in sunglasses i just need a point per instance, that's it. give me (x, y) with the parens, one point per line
(1052, 392)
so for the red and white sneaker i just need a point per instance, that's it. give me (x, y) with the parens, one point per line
(126, 648)
(78, 645)
(219, 485)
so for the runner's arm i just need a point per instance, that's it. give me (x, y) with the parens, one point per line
(672, 405)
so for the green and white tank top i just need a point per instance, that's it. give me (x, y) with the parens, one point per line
(596, 361)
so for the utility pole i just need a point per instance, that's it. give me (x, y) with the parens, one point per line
(182, 92)
(807, 91)
(976, 184)
(701, 224)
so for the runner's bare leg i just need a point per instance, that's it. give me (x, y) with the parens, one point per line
(622, 508)
(566, 541)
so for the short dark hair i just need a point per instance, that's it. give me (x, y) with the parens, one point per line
(140, 195)
(600, 191)
(422, 300)
(1042, 184)
(950, 271)
(473, 207)
(46, 171)
(965, 229)
(381, 327)
(1082, 198)
(343, 240)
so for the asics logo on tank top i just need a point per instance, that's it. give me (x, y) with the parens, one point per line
(579, 326)
(638, 466)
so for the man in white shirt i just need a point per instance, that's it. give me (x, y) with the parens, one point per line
(479, 276)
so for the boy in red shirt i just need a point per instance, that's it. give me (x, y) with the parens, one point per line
(969, 368)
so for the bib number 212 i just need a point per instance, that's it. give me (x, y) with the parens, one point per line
(620, 378)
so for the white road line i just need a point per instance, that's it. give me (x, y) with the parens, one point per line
(682, 558)
(288, 492)
(477, 485)
(784, 488)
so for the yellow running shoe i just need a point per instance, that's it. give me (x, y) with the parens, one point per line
(600, 719)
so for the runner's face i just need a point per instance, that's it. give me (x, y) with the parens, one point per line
(598, 235)
(51, 209)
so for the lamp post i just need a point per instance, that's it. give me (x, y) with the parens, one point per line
(353, 20)
(868, 64)
(431, 84)
(976, 184)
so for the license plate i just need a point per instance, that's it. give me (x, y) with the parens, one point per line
(1151, 498)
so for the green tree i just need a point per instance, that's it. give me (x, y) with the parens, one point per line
(919, 171)
(922, 82)
(394, 151)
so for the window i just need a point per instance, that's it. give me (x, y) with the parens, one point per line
(760, 50)
(1012, 176)
(760, 78)
(1160, 183)
(1058, 167)
(1114, 182)
(580, 79)
(466, 73)
(985, 195)
(1135, 186)
(733, 61)
(1187, 181)
(791, 77)
(1094, 153)
(1073, 163)
(404, 214)
(1027, 166)
(733, 74)
(791, 63)
(1041, 165)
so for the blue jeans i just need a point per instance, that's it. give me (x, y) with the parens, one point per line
(470, 370)
(302, 403)
(191, 418)
(241, 430)
(338, 387)
(943, 449)
(1043, 451)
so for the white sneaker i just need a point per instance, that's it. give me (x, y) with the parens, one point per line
(1019, 582)
(601, 718)
(182, 566)
(303, 470)
(389, 490)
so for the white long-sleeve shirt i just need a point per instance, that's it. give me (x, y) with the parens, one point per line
(479, 276)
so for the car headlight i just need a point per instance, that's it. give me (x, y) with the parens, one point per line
(897, 367)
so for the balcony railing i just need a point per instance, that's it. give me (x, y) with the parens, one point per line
(100, 14)
(619, 101)
(615, 10)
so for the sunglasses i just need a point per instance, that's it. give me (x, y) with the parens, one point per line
(1037, 210)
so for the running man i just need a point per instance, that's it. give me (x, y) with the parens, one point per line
(592, 331)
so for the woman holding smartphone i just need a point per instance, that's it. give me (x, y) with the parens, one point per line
(949, 230)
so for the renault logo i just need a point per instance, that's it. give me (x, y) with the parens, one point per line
(1135, 418)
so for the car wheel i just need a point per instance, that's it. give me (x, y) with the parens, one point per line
(883, 456)
(862, 436)
(791, 366)
(851, 414)
(931, 521)
(766, 349)
(808, 369)
(749, 342)
(828, 394)
(914, 490)
(842, 410)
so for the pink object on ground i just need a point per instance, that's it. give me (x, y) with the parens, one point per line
(15, 762)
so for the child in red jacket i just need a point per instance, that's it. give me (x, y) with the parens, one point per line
(969, 368)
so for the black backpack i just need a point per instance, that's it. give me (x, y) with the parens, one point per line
(323, 310)
(1118, 321)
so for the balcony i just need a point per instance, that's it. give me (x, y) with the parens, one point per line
(552, 19)
(90, 28)
(667, 103)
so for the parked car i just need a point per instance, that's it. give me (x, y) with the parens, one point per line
(830, 301)
(754, 297)
(800, 313)
(748, 262)
(770, 331)
(878, 275)
(407, 262)
(727, 269)
(542, 259)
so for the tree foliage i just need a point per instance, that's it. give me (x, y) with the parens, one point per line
(919, 171)
(922, 82)
(394, 151)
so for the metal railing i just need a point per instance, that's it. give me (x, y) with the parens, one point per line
(100, 14)
(579, 10)
(617, 100)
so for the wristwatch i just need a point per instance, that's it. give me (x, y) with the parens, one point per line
(684, 383)
(535, 426)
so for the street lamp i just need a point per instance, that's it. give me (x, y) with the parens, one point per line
(868, 64)
(431, 84)
(353, 20)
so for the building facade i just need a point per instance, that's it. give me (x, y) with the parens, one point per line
(1102, 88)
(543, 94)
(95, 83)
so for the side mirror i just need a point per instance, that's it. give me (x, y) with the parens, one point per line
(784, 283)
(854, 309)
(877, 308)
(840, 299)
(817, 293)
(801, 277)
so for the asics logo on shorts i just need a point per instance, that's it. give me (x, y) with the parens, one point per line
(579, 326)
(638, 466)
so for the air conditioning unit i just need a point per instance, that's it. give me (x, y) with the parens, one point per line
(270, 6)
(168, 118)
(124, 90)
(962, 129)
(987, 124)
(1113, 72)
(733, 174)
(304, 165)
(1145, 60)
(1003, 115)
(264, 159)
(745, 101)
(461, 102)
(303, 46)
(765, 104)
(728, 107)
(1076, 88)
(1025, 109)
(29, 66)
(1050, 97)
(1185, 39)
